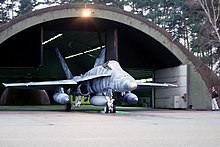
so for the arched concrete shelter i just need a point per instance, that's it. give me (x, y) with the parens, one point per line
(200, 78)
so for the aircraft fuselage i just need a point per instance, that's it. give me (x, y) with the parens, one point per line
(119, 81)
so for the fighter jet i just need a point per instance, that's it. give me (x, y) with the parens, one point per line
(104, 79)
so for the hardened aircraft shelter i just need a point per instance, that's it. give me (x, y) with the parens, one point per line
(144, 50)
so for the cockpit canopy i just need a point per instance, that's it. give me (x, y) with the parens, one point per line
(112, 65)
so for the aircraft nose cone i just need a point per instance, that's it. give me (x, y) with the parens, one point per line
(131, 85)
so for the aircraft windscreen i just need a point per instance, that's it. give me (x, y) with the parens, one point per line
(106, 66)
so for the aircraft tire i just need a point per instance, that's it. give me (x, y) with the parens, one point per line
(106, 108)
(67, 107)
(113, 110)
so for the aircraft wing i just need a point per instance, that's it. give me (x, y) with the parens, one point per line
(90, 77)
(40, 85)
(53, 84)
(154, 85)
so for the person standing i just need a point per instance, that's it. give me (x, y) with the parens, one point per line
(214, 102)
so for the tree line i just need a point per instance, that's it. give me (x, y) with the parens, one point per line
(195, 23)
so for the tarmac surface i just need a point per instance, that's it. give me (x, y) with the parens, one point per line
(94, 128)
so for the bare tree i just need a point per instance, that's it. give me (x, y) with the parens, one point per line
(212, 11)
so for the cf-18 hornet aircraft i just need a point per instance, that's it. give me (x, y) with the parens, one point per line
(102, 81)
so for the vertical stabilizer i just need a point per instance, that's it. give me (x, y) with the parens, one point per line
(101, 59)
(64, 65)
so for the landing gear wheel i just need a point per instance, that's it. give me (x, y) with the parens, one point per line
(106, 109)
(113, 109)
(68, 107)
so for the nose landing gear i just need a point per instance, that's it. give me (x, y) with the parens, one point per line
(110, 106)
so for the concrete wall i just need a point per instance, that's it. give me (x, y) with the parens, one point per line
(164, 97)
